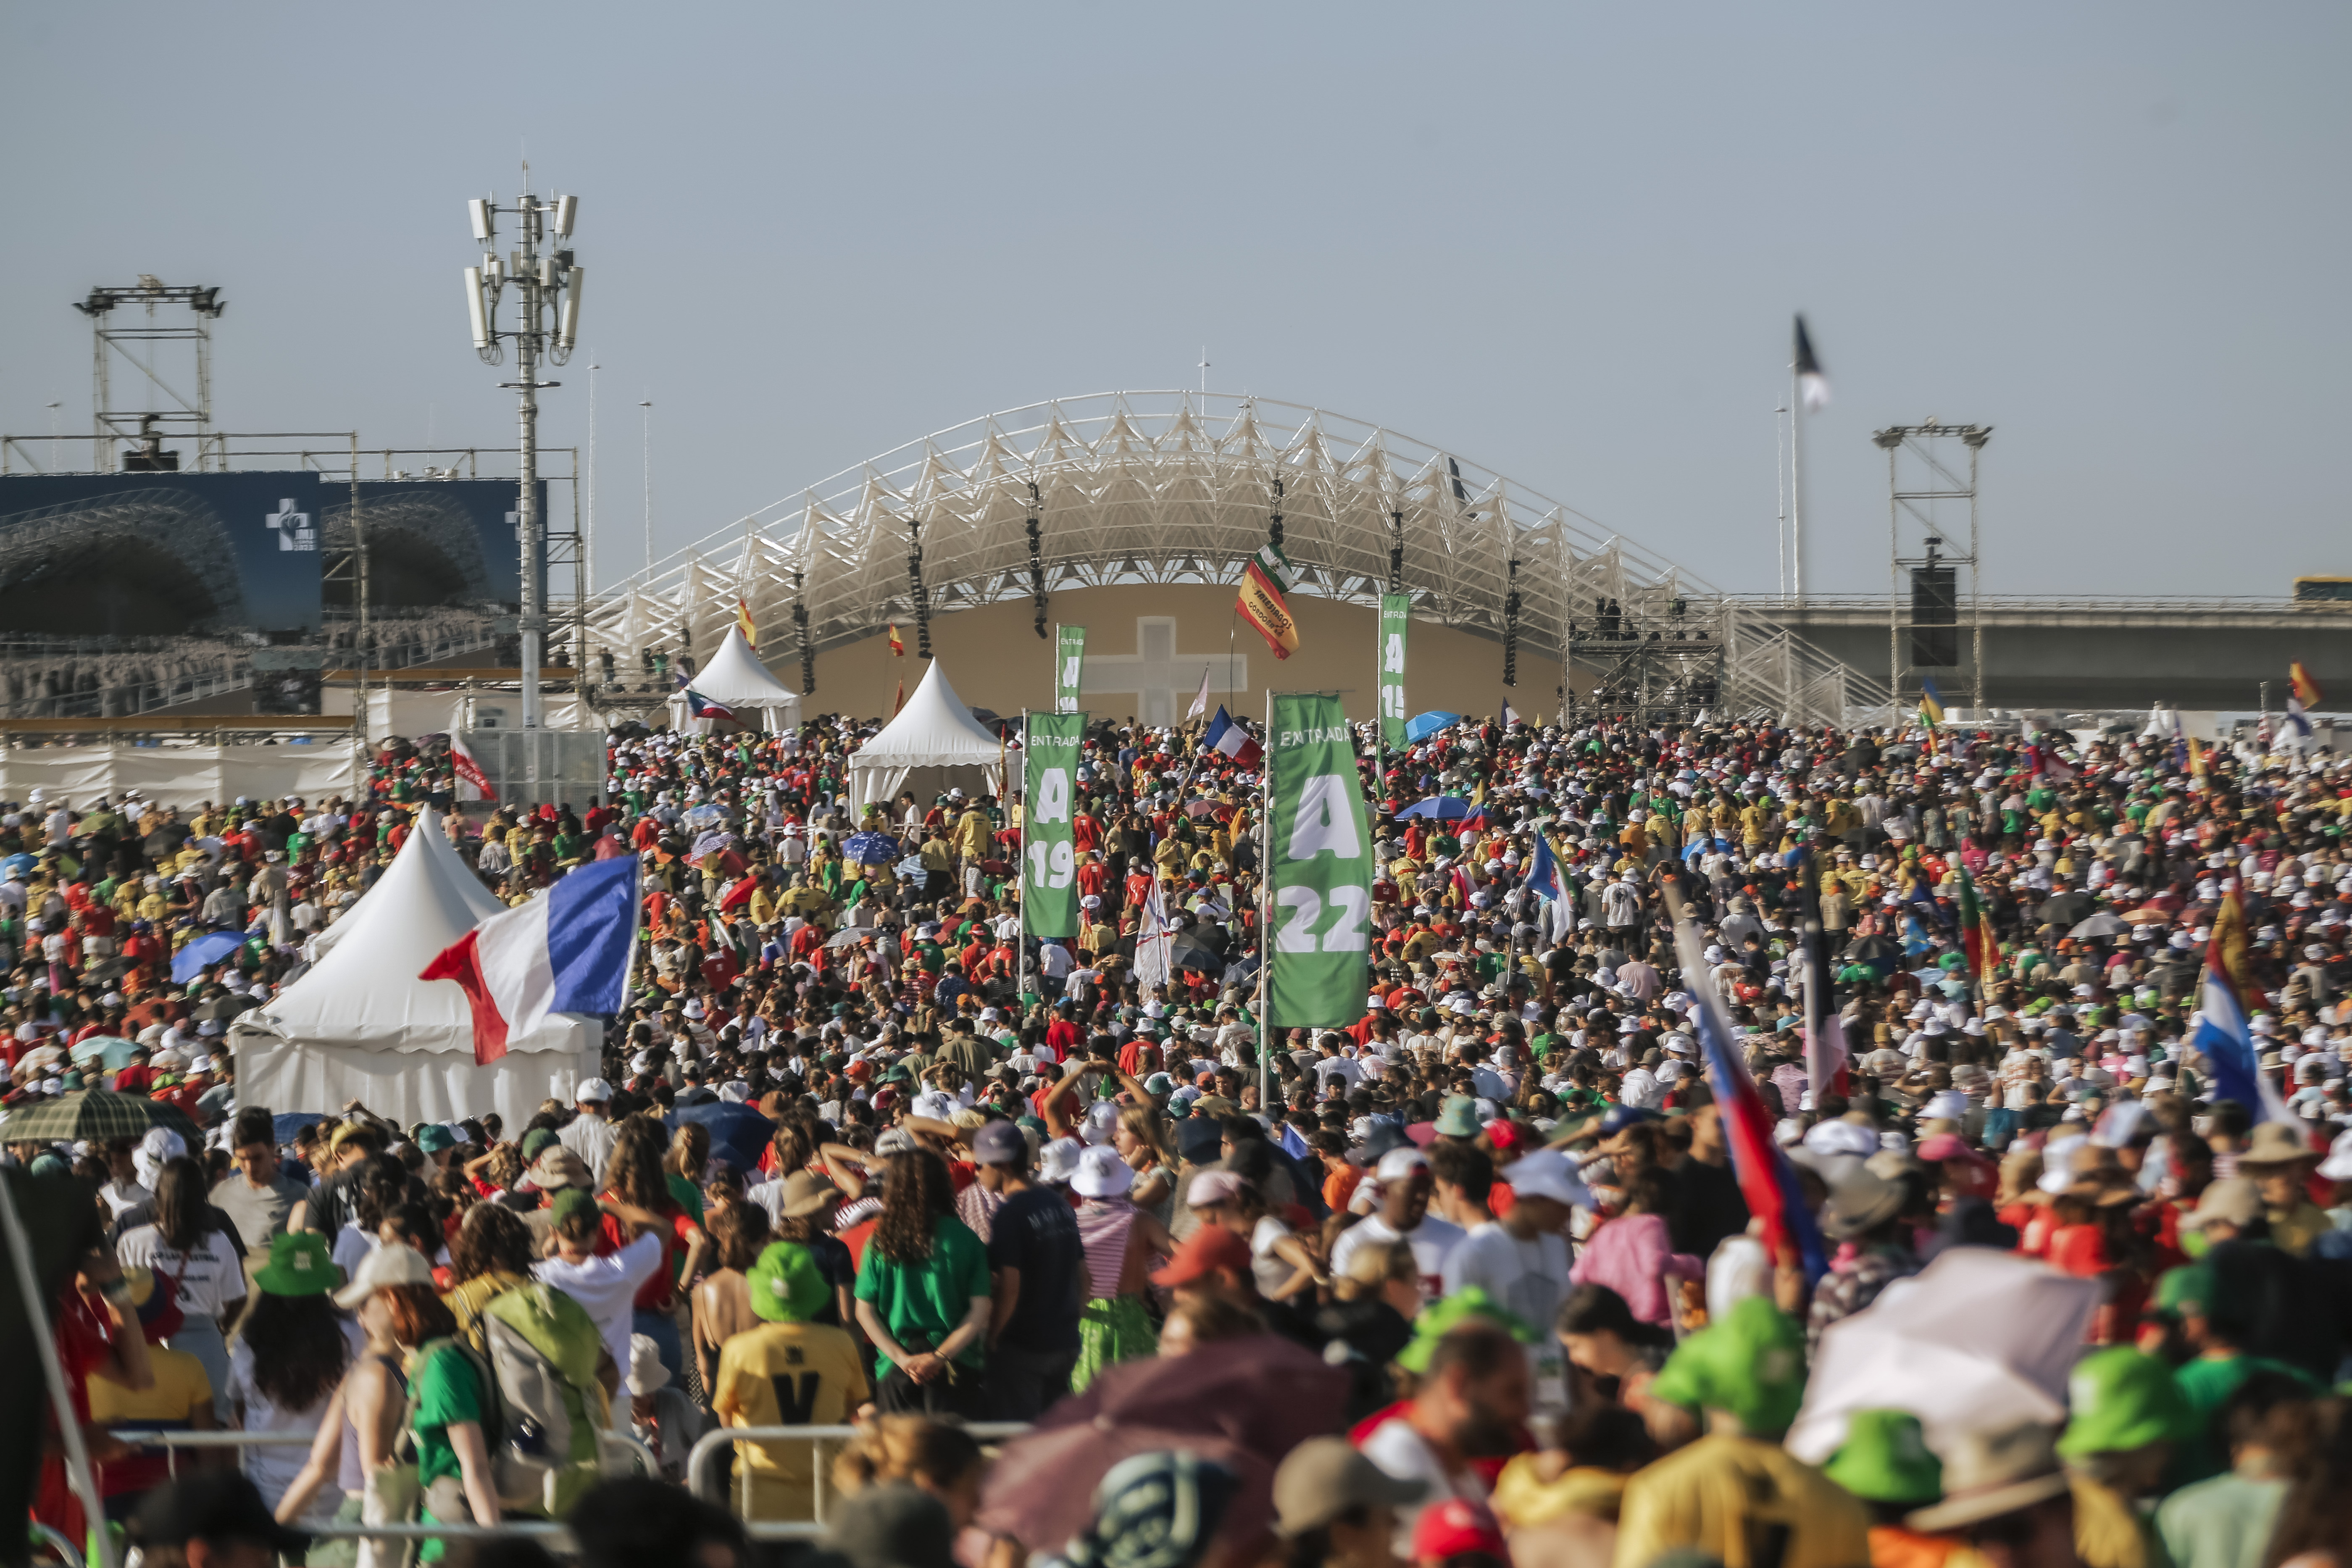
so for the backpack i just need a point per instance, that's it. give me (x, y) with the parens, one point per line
(541, 1365)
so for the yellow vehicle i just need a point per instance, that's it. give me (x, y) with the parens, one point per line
(2323, 591)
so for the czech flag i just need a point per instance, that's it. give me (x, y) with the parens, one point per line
(569, 950)
(701, 707)
(1767, 1181)
(1228, 739)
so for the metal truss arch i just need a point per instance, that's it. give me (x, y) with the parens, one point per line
(1177, 486)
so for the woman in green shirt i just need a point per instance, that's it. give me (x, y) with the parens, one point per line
(923, 1293)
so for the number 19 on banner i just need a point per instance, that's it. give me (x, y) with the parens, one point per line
(1049, 860)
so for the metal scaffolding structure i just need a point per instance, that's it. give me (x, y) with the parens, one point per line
(1177, 486)
(177, 411)
(1935, 489)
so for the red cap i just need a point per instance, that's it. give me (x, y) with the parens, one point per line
(1457, 1525)
(1205, 1251)
(1505, 1134)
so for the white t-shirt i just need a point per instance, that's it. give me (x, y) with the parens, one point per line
(607, 1288)
(351, 1248)
(1404, 1453)
(1529, 1277)
(1433, 1241)
(210, 1277)
(274, 1466)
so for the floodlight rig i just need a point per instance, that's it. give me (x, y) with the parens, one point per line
(547, 326)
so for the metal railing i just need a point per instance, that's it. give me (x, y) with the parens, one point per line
(701, 1464)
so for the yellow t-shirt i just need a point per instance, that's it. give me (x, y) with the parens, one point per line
(787, 1375)
(1747, 1503)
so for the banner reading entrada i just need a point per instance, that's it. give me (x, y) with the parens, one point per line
(1318, 866)
(1395, 608)
(1069, 663)
(1049, 861)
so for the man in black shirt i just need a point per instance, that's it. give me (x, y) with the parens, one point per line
(1037, 1268)
(1708, 1205)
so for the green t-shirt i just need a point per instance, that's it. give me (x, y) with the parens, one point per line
(2206, 1382)
(921, 1303)
(448, 1391)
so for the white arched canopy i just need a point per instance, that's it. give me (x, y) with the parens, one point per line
(1181, 487)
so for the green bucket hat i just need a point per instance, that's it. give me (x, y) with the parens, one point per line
(301, 1264)
(1750, 1367)
(2180, 1288)
(2123, 1400)
(1444, 1317)
(1886, 1458)
(785, 1284)
(535, 1140)
(1459, 1118)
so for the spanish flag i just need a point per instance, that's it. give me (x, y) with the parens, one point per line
(1267, 578)
(2307, 691)
(895, 646)
(743, 624)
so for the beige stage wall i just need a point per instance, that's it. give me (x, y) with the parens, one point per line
(1146, 648)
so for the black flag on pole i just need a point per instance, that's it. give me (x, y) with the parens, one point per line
(1812, 385)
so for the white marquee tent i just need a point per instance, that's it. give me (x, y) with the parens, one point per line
(360, 1025)
(739, 682)
(932, 740)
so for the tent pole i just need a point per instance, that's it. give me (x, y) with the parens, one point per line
(79, 1471)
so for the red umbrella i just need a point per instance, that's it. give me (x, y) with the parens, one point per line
(1243, 1404)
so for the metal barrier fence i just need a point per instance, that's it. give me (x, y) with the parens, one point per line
(702, 1477)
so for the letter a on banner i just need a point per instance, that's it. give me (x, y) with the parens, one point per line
(1318, 865)
(1395, 608)
(1049, 862)
(1069, 662)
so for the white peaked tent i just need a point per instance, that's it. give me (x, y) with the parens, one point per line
(739, 682)
(932, 740)
(360, 1025)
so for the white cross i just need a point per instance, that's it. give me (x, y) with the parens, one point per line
(294, 529)
(1157, 676)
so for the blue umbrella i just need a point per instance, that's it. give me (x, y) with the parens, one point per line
(286, 1123)
(111, 1051)
(739, 1134)
(870, 849)
(17, 865)
(203, 953)
(1430, 723)
(1436, 807)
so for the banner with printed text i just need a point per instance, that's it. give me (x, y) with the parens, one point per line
(1069, 663)
(1318, 865)
(1049, 862)
(1393, 615)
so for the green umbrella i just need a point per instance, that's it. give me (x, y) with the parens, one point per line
(110, 1051)
(97, 1115)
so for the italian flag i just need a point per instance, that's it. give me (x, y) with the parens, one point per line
(1268, 576)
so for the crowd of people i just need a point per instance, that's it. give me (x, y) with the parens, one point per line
(1480, 1277)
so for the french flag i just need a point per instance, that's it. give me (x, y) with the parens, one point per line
(569, 950)
(1767, 1181)
(1228, 739)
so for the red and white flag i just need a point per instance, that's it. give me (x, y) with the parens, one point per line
(473, 783)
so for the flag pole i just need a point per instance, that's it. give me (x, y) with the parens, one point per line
(1021, 869)
(1265, 915)
(1796, 486)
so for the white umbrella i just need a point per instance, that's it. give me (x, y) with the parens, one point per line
(1977, 1341)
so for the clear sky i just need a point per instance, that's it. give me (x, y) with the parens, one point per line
(1562, 240)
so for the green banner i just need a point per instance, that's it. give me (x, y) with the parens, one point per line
(1393, 611)
(1069, 662)
(1318, 865)
(1049, 862)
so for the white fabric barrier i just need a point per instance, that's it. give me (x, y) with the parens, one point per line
(184, 776)
(409, 1087)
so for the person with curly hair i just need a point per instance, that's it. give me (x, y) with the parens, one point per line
(923, 1293)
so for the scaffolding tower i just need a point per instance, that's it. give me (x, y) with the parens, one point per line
(175, 410)
(1931, 483)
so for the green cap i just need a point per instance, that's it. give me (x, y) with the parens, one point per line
(1750, 1367)
(1444, 1317)
(535, 1140)
(1886, 1458)
(785, 1284)
(2123, 1400)
(574, 1201)
(301, 1264)
(2182, 1288)
(433, 1137)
